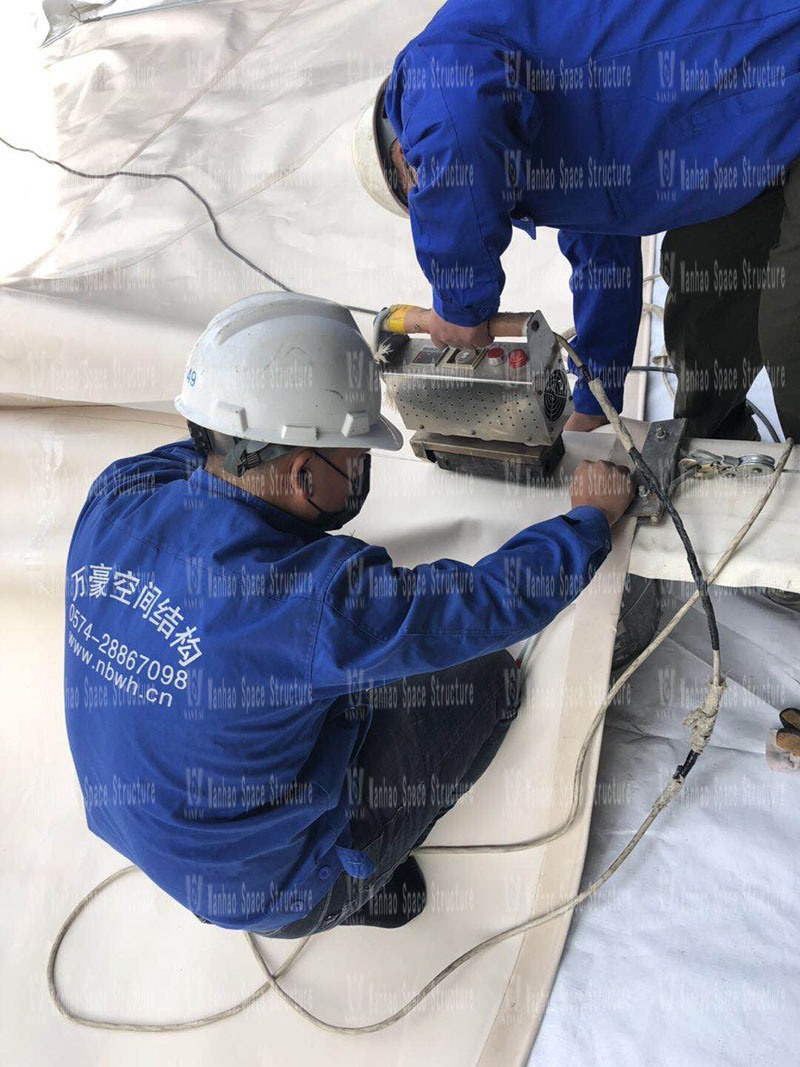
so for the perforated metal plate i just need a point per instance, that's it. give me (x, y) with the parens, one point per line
(491, 411)
(526, 404)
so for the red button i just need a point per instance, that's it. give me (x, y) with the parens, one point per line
(495, 354)
(518, 357)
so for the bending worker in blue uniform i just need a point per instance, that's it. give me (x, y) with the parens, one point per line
(267, 719)
(610, 119)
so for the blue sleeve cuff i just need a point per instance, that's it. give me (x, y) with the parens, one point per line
(593, 526)
(458, 315)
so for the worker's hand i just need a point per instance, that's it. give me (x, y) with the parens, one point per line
(584, 423)
(447, 333)
(602, 485)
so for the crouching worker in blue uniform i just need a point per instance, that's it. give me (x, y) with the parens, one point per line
(250, 743)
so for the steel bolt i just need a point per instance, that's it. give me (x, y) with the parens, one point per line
(644, 491)
(661, 433)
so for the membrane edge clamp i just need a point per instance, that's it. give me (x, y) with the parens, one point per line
(660, 452)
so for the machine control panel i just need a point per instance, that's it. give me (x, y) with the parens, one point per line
(427, 357)
(495, 360)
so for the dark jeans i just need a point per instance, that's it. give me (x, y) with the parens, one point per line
(432, 736)
(733, 305)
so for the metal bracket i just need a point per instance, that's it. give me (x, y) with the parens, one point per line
(704, 464)
(660, 452)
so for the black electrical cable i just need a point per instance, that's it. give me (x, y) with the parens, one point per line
(652, 483)
(687, 764)
(760, 415)
(157, 176)
(654, 486)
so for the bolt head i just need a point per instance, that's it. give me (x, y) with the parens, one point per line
(643, 491)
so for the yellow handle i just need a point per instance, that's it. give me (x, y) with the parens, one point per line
(407, 318)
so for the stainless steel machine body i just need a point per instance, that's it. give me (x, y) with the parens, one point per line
(508, 391)
(475, 403)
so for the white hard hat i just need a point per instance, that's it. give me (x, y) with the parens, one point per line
(286, 369)
(372, 139)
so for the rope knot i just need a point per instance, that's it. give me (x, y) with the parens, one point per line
(701, 721)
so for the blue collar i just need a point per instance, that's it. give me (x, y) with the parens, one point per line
(276, 517)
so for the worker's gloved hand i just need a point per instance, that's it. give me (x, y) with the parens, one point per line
(445, 333)
(584, 423)
(602, 485)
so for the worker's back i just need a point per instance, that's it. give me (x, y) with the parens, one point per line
(192, 609)
(628, 117)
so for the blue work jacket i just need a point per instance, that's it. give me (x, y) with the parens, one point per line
(217, 651)
(608, 119)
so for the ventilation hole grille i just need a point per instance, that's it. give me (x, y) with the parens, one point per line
(555, 395)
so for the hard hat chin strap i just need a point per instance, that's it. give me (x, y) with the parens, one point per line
(243, 455)
(248, 454)
(240, 453)
(238, 459)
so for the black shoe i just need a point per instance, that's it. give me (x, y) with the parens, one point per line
(397, 902)
(789, 737)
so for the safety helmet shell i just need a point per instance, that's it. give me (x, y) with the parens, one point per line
(287, 369)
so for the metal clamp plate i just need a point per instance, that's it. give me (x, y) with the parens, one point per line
(660, 453)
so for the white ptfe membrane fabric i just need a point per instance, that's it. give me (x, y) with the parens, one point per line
(106, 287)
(688, 955)
(713, 509)
(253, 102)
